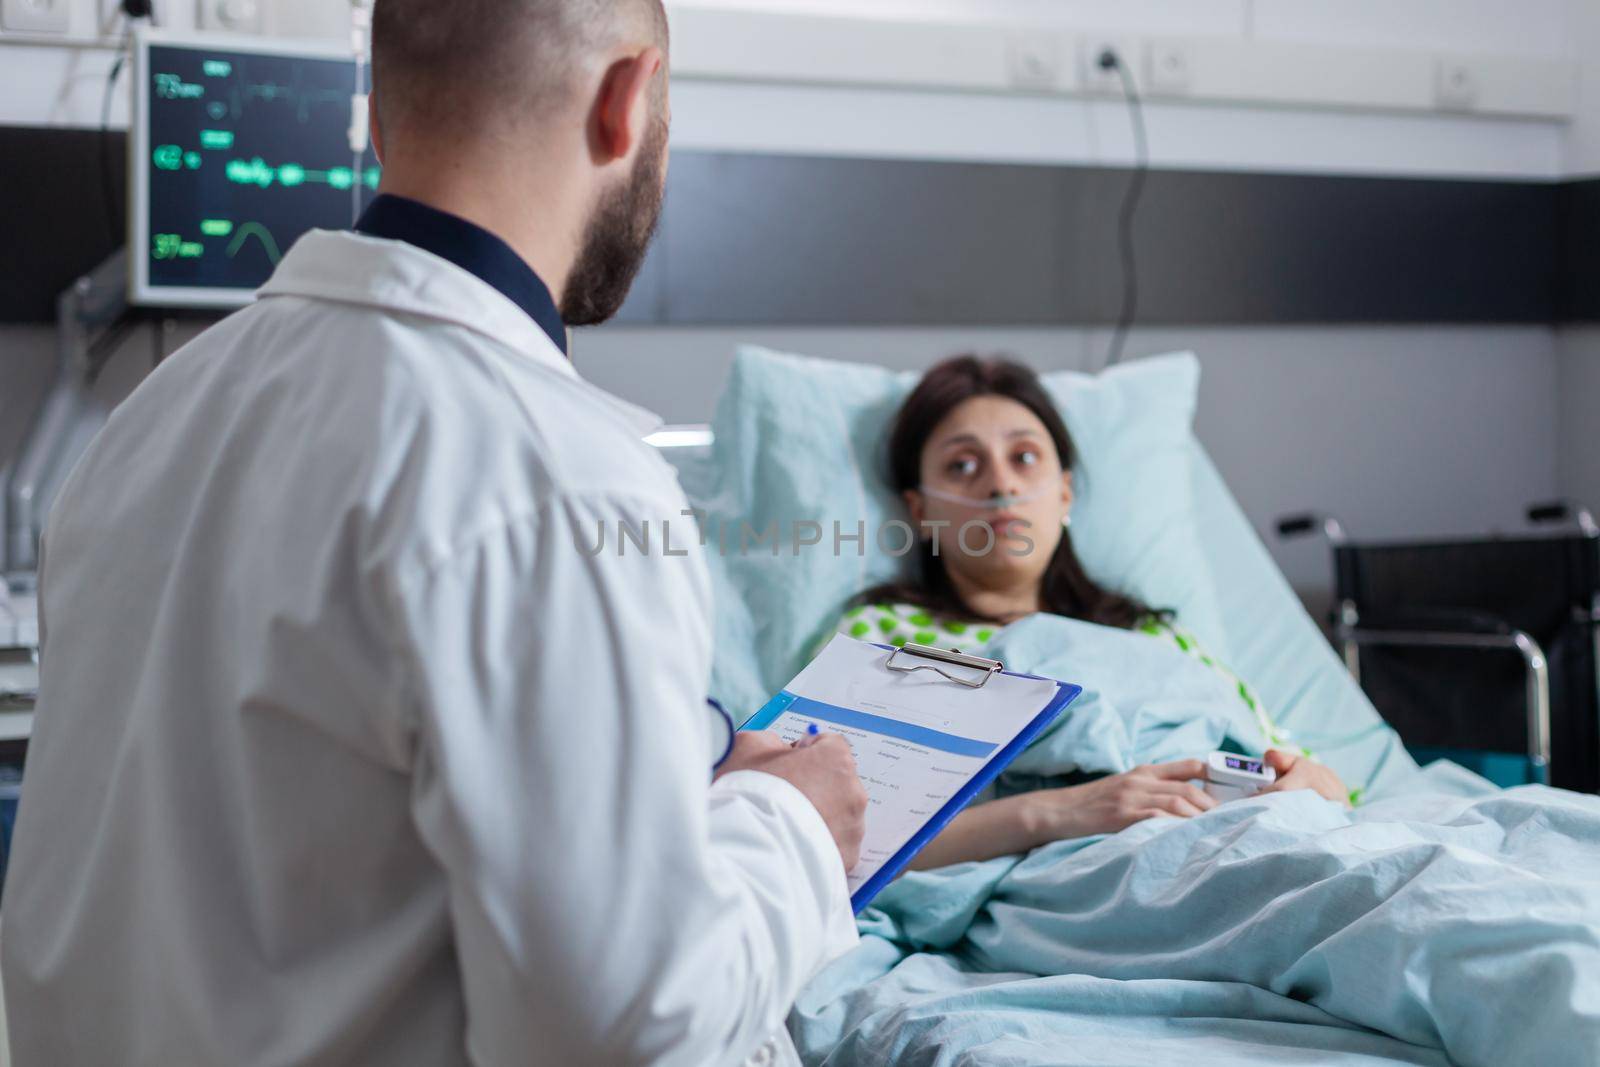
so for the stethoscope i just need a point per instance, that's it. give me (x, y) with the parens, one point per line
(722, 731)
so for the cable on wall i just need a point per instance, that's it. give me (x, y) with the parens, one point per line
(1111, 60)
(131, 11)
(108, 184)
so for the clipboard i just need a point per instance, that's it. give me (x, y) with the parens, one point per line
(959, 672)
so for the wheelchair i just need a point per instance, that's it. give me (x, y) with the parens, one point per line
(1483, 651)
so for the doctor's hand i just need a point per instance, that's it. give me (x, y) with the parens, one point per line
(1300, 772)
(824, 769)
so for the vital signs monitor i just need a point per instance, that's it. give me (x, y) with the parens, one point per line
(237, 147)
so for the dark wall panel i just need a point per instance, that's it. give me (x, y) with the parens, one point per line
(806, 240)
(1579, 269)
(53, 220)
(775, 239)
(1258, 248)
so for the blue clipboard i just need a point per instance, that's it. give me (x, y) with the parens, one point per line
(1066, 693)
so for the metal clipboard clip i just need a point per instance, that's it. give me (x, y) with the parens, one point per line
(989, 667)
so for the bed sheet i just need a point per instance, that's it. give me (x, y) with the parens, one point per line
(1443, 917)
(1414, 930)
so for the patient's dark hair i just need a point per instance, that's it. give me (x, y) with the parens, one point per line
(1065, 588)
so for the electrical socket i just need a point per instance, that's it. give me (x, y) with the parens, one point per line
(236, 16)
(1455, 84)
(1097, 79)
(1034, 61)
(36, 16)
(1169, 67)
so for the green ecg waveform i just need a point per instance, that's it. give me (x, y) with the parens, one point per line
(261, 233)
(257, 172)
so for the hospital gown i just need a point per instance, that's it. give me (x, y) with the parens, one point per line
(899, 624)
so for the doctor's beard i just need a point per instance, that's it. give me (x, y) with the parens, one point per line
(617, 237)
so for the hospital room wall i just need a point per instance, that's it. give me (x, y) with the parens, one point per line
(1579, 376)
(1578, 346)
(1400, 431)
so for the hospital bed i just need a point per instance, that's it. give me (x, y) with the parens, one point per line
(774, 445)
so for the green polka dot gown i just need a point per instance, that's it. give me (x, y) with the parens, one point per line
(900, 624)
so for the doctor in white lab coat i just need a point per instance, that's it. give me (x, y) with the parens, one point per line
(349, 751)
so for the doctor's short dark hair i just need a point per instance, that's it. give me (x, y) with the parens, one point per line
(1065, 588)
(486, 64)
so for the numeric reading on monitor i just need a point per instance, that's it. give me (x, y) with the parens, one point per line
(246, 152)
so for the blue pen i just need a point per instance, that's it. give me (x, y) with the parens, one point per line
(812, 734)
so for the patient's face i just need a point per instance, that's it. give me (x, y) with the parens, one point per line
(991, 447)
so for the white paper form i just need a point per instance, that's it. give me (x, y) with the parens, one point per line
(918, 738)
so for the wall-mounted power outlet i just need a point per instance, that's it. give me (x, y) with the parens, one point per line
(1168, 67)
(1034, 61)
(1098, 78)
(1455, 84)
(235, 16)
(36, 16)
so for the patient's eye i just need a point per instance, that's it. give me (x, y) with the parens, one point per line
(963, 467)
(1027, 457)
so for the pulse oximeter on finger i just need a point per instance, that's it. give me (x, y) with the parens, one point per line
(1230, 776)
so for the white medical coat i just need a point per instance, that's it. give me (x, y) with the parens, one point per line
(349, 752)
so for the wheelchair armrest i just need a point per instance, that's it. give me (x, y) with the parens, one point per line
(1498, 638)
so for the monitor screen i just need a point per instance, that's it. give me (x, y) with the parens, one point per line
(238, 147)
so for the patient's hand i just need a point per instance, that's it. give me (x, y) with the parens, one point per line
(1026, 821)
(1299, 772)
(1116, 802)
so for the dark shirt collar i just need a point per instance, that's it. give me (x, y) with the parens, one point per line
(470, 247)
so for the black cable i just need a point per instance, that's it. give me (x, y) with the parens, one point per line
(1130, 208)
(108, 182)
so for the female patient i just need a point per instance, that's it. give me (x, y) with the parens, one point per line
(980, 441)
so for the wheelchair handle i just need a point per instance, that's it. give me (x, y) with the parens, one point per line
(1296, 526)
(1564, 511)
(1290, 526)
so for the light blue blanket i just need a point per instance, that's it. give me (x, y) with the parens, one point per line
(1441, 921)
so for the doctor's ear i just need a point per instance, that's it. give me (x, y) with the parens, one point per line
(623, 109)
(374, 130)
